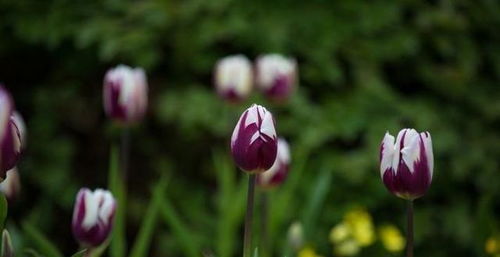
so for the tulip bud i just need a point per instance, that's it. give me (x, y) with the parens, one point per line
(254, 140)
(10, 145)
(93, 216)
(233, 77)
(406, 167)
(125, 94)
(279, 171)
(11, 186)
(7, 249)
(276, 76)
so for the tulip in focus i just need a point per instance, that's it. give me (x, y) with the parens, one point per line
(406, 166)
(93, 216)
(11, 186)
(125, 94)
(279, 171)
(254, 140)
(276, 75)
(233, 77)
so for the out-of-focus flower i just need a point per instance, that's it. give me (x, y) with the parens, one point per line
(347, 248)
(233, 77)
(296, 235)
(279, 171)
(254, 140)
(406, 166)
(11, 186)
(308, 252)
(492, 246)
(93, 216)
(276, 75)
(125, 94)
(361, 226)
(391, 238)
(7, 249)
(10, 142)
(353, 233)
(340, 233)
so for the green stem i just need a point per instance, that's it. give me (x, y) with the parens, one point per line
(409, 231)
(247, 239)
(264, 219)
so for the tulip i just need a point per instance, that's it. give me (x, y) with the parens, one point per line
(125, 94)
(7, 249)
(254, 140)
(11, 186)
(276, 76)
(93, 216)
(10, 144)
(406, 167)
(279, 171)
(233, 78)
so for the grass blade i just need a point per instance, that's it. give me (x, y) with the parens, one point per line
(40, 242)
(117, 187)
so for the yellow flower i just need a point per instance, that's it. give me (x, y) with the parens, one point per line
(361, 226)
(391, 238)
(308, 252)
(339, 233)
(347, 248)
(491, 246)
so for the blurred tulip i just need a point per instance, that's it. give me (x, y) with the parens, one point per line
(406, 166)
(7, 249)
(125, 94)
(254, 140)
(279, 171)
(233, 77)
(10, 142)
(11, 186)
(93, 216)
(276, 75)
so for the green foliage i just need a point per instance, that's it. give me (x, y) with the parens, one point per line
(365, 68)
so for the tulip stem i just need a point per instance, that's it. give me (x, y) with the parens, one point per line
(125, 149)
(409, 231)
(247, 238)
(264, 210)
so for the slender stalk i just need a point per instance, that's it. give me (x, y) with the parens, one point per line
(124, 152)
(409, 231)
(264, 220)
(247, 239)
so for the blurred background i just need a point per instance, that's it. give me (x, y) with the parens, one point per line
(364, 68)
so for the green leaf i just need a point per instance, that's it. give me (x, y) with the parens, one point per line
(179, 229)
(143, 240)
(80, 253)
(40, 241)
(117, 187)
(3, 209)
(32, 252)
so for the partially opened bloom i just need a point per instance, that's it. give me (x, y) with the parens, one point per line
(11, 186)
(233, 77)
(406, 165)
(276, 75)
(125, 94)
(93, 216)
(254, 140)
(279, 171)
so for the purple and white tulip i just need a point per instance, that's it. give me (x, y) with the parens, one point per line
(254, 141)
(406, 166)
(233, 78)
(11, 186)
(10, 135)
(125, 94)
(93, 216)
(276, 76)
(279, 171)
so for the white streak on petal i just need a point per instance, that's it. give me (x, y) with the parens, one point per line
(426, 137)
(107, 207)
(387, 153)
(236, 130)
(397, 147)
(267, 127)
(91, 210)
(254, 137)
(411, 149)
(252, 116)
